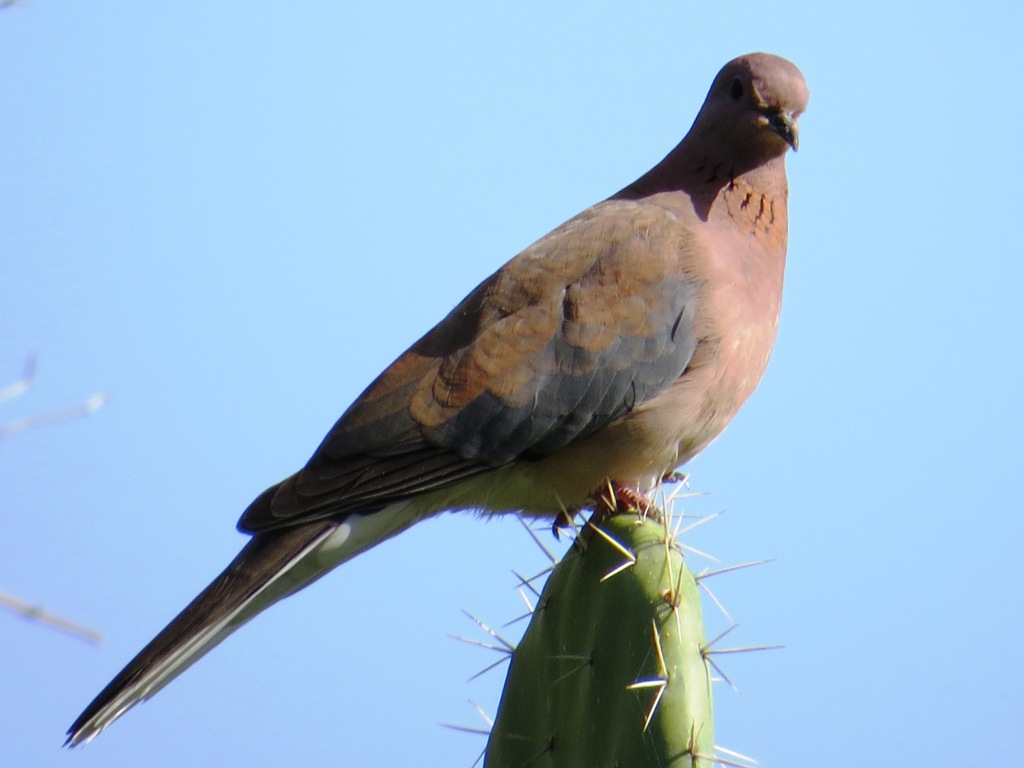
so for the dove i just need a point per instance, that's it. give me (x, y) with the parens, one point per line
(607, 354)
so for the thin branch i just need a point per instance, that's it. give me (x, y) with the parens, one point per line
(84, 408)
(10, 392)
(22, 385)
(52, 620)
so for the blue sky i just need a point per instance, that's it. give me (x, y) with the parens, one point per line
(231, 216)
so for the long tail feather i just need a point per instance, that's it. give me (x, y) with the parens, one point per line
(271, 566)
(261, 574)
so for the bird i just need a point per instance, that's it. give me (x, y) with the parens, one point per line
(607, 354)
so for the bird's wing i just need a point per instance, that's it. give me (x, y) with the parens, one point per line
(572, 333)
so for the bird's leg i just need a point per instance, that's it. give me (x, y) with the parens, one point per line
(632, 500)
(563, 521)
(617, 499)
(613, 499)
(675, 476)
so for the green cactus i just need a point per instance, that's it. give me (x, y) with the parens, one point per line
(612, 670)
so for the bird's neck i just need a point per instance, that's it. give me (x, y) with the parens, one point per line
(753, 197)
(756, 202)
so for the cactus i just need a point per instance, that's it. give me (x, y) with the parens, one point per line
(612, 670)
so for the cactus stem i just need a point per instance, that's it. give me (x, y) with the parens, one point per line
(585, 661)
(630, 556)
(695, 755)
(656, 683)
(662, 685)
(619, 569)
(673, 596)
(662, 667)
(567, 699)
(660, 682)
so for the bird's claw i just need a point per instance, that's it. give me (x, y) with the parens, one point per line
(675, 476)
(563, 521)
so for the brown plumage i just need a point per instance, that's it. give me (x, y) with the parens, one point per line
(613, 349)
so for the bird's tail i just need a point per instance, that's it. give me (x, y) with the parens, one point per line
(271, 566)
(257, 577)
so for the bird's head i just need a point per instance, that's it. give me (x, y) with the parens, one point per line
(753, 107)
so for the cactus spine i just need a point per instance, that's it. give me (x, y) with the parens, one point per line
(611, 672)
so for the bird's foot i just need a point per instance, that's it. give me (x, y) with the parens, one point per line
(563, 521)
(675, 476)
(617, 499)
(613, 499)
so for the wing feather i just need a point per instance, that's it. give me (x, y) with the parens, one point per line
(571, 334)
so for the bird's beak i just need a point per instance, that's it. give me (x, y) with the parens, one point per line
(784, 124)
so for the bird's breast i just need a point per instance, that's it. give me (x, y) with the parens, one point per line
(734, 276)
(739, 275)
(737, 318)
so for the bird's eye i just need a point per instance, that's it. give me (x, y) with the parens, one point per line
(736, 89)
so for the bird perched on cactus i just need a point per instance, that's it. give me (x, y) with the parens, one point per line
(612, 350)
